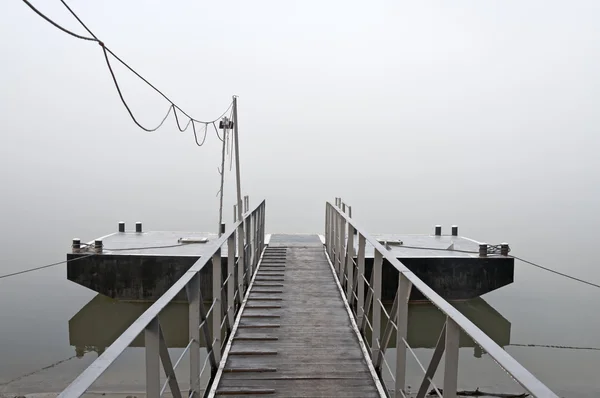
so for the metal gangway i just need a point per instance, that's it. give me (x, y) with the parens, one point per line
(270, 290)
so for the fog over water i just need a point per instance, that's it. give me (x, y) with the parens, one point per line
(478, 114)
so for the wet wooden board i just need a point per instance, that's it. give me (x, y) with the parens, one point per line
(312, 349)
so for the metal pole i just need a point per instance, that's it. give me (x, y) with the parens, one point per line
(236, 124)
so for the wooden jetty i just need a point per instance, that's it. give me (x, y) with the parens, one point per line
(290, 315)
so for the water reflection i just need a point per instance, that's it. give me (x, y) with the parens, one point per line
(98, 324)
(425, 323)
(103, 319)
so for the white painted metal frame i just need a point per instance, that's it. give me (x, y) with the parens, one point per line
(227, 299)
(339, 241)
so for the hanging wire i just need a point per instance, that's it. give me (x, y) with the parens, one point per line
(44, 266)
(515, 257)
(196, 136)
(57, 25)
(217, 131)
(106, 51)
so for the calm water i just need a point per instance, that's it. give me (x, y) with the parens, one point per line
(47, 320)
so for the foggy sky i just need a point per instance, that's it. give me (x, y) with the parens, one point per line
(417, 114)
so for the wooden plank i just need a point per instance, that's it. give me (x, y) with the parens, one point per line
(249, 370)
(245, 391)
(258, 325)
(255, 337)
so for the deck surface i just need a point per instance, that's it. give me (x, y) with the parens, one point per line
(295, 338)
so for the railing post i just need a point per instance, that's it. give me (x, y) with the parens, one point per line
(250, 240)
(240, 267)
(377, 265)
(216, 314)
(342, 244)
(350, 265)
(433, 363)
(327, 227)
(247, 259)
(359, 276)
(334, 239)
(193, 294)
(404, 289)
(255, 238)
(261, 230)
(451, 358)
(231, 282)
(167, 364)
(151, 337)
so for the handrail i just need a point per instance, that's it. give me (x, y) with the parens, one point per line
(499, 355)
(79, 386)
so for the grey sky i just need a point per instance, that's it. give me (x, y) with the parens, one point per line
(427, 105)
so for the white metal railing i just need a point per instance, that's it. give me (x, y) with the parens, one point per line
(227, 298)
(368, 309)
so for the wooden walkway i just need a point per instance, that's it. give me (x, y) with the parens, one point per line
(295, 338)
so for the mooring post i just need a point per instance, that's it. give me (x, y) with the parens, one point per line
(121, 226)
(98, 246)
(454, 230)
(438, 230)
(138, 227)
(76, 245)
(222, 230)
(504, 249)
(483, 248)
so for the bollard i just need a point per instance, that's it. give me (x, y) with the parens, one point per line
(138, 227)
(222, 231)
(454, 230)
(438, 230)
(121, 226)
(76, 246)
(350, 211)
(504, 249)
(98, 246)
(483, 248)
